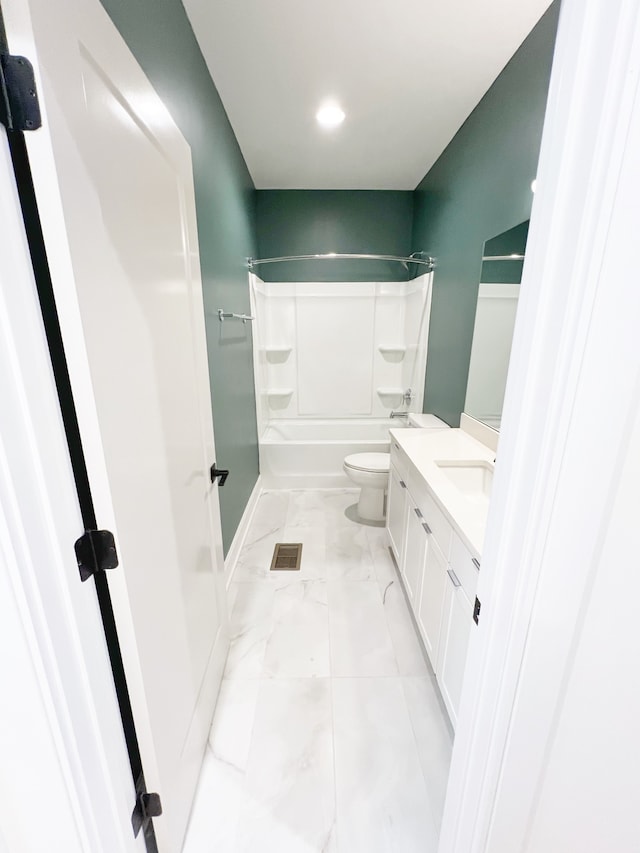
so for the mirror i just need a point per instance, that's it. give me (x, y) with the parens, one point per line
(502, 262)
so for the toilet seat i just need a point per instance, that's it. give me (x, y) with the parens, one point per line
(378, 463)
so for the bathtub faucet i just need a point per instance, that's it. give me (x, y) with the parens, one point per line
(399, 415)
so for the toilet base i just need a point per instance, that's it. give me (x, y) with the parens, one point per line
(371, 504)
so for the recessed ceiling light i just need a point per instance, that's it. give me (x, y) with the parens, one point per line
(330, 115)
(534, 183)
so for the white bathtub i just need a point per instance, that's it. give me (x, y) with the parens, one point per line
(309, 453)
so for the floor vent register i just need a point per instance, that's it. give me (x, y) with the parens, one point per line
(286, 557)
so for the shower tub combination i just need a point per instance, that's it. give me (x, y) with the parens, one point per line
(331, 360)
(309, 453)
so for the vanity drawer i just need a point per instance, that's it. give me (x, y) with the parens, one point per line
(461, 561)
(432, 514)
(399, 459)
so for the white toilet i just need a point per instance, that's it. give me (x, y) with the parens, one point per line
(370, 471)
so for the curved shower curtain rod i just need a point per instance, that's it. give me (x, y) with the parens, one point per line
(410, 259)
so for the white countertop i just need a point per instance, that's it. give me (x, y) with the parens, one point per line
(424, 447)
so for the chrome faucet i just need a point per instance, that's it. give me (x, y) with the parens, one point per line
(407, 399)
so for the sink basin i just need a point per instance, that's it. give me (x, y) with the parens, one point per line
(473, 478)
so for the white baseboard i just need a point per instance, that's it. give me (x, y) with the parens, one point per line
(195, 744)
(335, 480)
(241, 532)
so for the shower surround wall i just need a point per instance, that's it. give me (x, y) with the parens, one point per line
(332, 359)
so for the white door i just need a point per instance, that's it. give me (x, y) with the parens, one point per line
(114, 183)
(58, 705)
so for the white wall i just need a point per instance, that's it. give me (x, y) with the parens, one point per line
(589, 790)
(345, 349)
(417, 312)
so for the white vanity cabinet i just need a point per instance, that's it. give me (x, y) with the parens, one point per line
(457, 622)
(396, 513)
(429, 610)
(438, 572)
(455, 628)
(415, 548)
(397, 501)
(434, 541)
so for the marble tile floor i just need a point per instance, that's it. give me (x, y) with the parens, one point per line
(329, 735)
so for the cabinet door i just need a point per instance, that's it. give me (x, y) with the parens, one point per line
(429, 609)
(457, 621)
(414, 552)
(396, 514)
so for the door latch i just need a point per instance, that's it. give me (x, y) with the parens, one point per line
(218, 473)
(476, 610)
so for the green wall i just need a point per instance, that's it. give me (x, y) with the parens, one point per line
(307, 222)
(158, 32)
(479, 187)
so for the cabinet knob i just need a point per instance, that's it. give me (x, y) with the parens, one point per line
(417, 512)
(403, 484)
(426, 527)
(475, 562)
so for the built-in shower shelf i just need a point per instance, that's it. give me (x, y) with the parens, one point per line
(277, 355)
(390, 396)
(391, 353)
(279, 397)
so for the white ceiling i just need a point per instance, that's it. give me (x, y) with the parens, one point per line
(406, 72)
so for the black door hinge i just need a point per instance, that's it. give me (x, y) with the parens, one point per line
(95, 552)
(19, 106)
(218, 472)
(147, 807)
(476, 610)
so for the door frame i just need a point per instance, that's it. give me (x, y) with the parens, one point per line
(591, 106)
